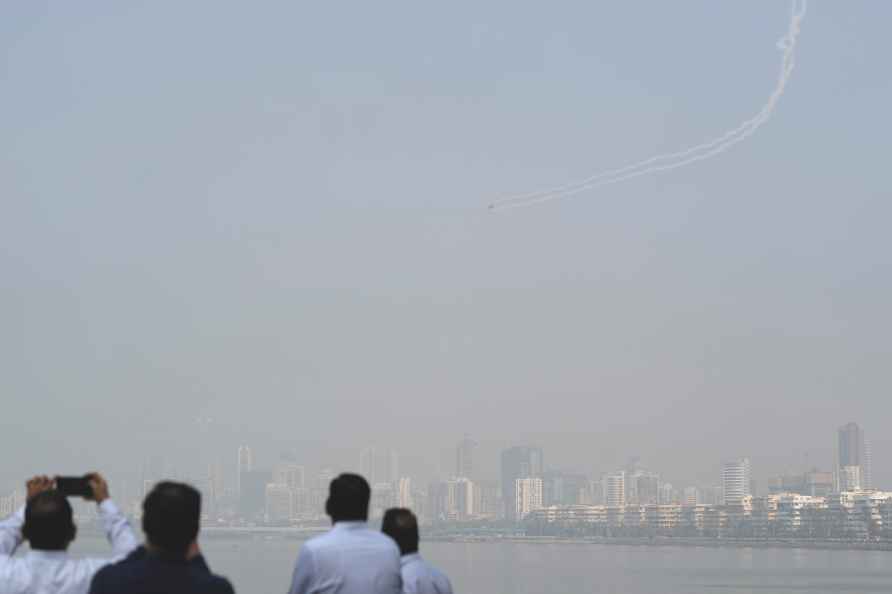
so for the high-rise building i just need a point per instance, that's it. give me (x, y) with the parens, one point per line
(391, 467)
(487, 499)
(850, 478)
(517, 463)
(853, 449)
(814, 483)
(252, 499)
(404, 492)
(464, 498)
(323, 480)
(289, 474)
(615, 489)
(666, 494)
(441, 502)
(561, 488)
(245, 464)
(464, 457)
(383, 498)
(642, 488)
(691, 496)
(279, 503)
(736, 481)
(367, 466)
(379, 466)
(527, 496)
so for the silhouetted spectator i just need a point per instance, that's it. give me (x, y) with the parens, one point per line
(170, 561)
(419, 576)
(350, 558)
(46, 522)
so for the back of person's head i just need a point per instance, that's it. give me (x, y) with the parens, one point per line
(49, 523)
(348, 498)
(401, 525)
(171, 514)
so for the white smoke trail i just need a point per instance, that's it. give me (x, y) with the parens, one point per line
(667, 162)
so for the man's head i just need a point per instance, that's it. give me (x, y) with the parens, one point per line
(401, 525)
(171, 514)
(49, 525)
(348, 499)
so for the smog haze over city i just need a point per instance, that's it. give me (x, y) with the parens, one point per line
(266, 225)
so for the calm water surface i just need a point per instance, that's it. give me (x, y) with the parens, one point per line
(264, 566)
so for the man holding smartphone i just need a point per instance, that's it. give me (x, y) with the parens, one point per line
(47, 523)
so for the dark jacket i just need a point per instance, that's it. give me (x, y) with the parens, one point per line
(147, 573)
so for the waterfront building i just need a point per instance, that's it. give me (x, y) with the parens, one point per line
(518, 462)
(379, 465)
(252, 498)
(528, 496)
(452, 500)
(691, 520)
(763, 517)
(853, 449)
(404, 492)
(384, 496)
(813, 482)
(464, 457)
(290, 474)
(488, 499)
(736, 481)
(850, 478)
(302, 504)
(666, 494)
(615, 489)
(663, 519)
(245, 464)
(279, 503)
(464, 498)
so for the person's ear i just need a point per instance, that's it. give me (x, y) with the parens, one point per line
(328, 506)
(72, 532)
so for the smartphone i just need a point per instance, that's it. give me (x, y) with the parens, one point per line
(74, 486)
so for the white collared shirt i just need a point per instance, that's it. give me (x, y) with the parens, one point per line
(350, 558)
(55, 572)
(420, 577)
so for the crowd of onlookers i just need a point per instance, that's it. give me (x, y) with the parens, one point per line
(351, 558)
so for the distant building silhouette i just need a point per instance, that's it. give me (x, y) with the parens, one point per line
(245, 464)
(464, 457)
(519, 462)
(527, 496)
(853, 450)
(736, 481)
(379, 466)
(615, 489)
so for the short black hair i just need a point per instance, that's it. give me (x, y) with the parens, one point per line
(49, 522)
(401, 525)
(171, 514)
(348, 498)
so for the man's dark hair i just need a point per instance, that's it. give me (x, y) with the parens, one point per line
(49, 523)
(348, 498)
(401, 525)
(171, 514)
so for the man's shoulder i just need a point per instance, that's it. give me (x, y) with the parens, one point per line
(420, 565)
(213, 584)
(127, 567)
(138, 568)
(360, 536)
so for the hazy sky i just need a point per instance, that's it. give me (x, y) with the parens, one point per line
(274, 215)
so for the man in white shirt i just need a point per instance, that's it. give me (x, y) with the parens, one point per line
(47, 523)
(419, 576)
(350, 558)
